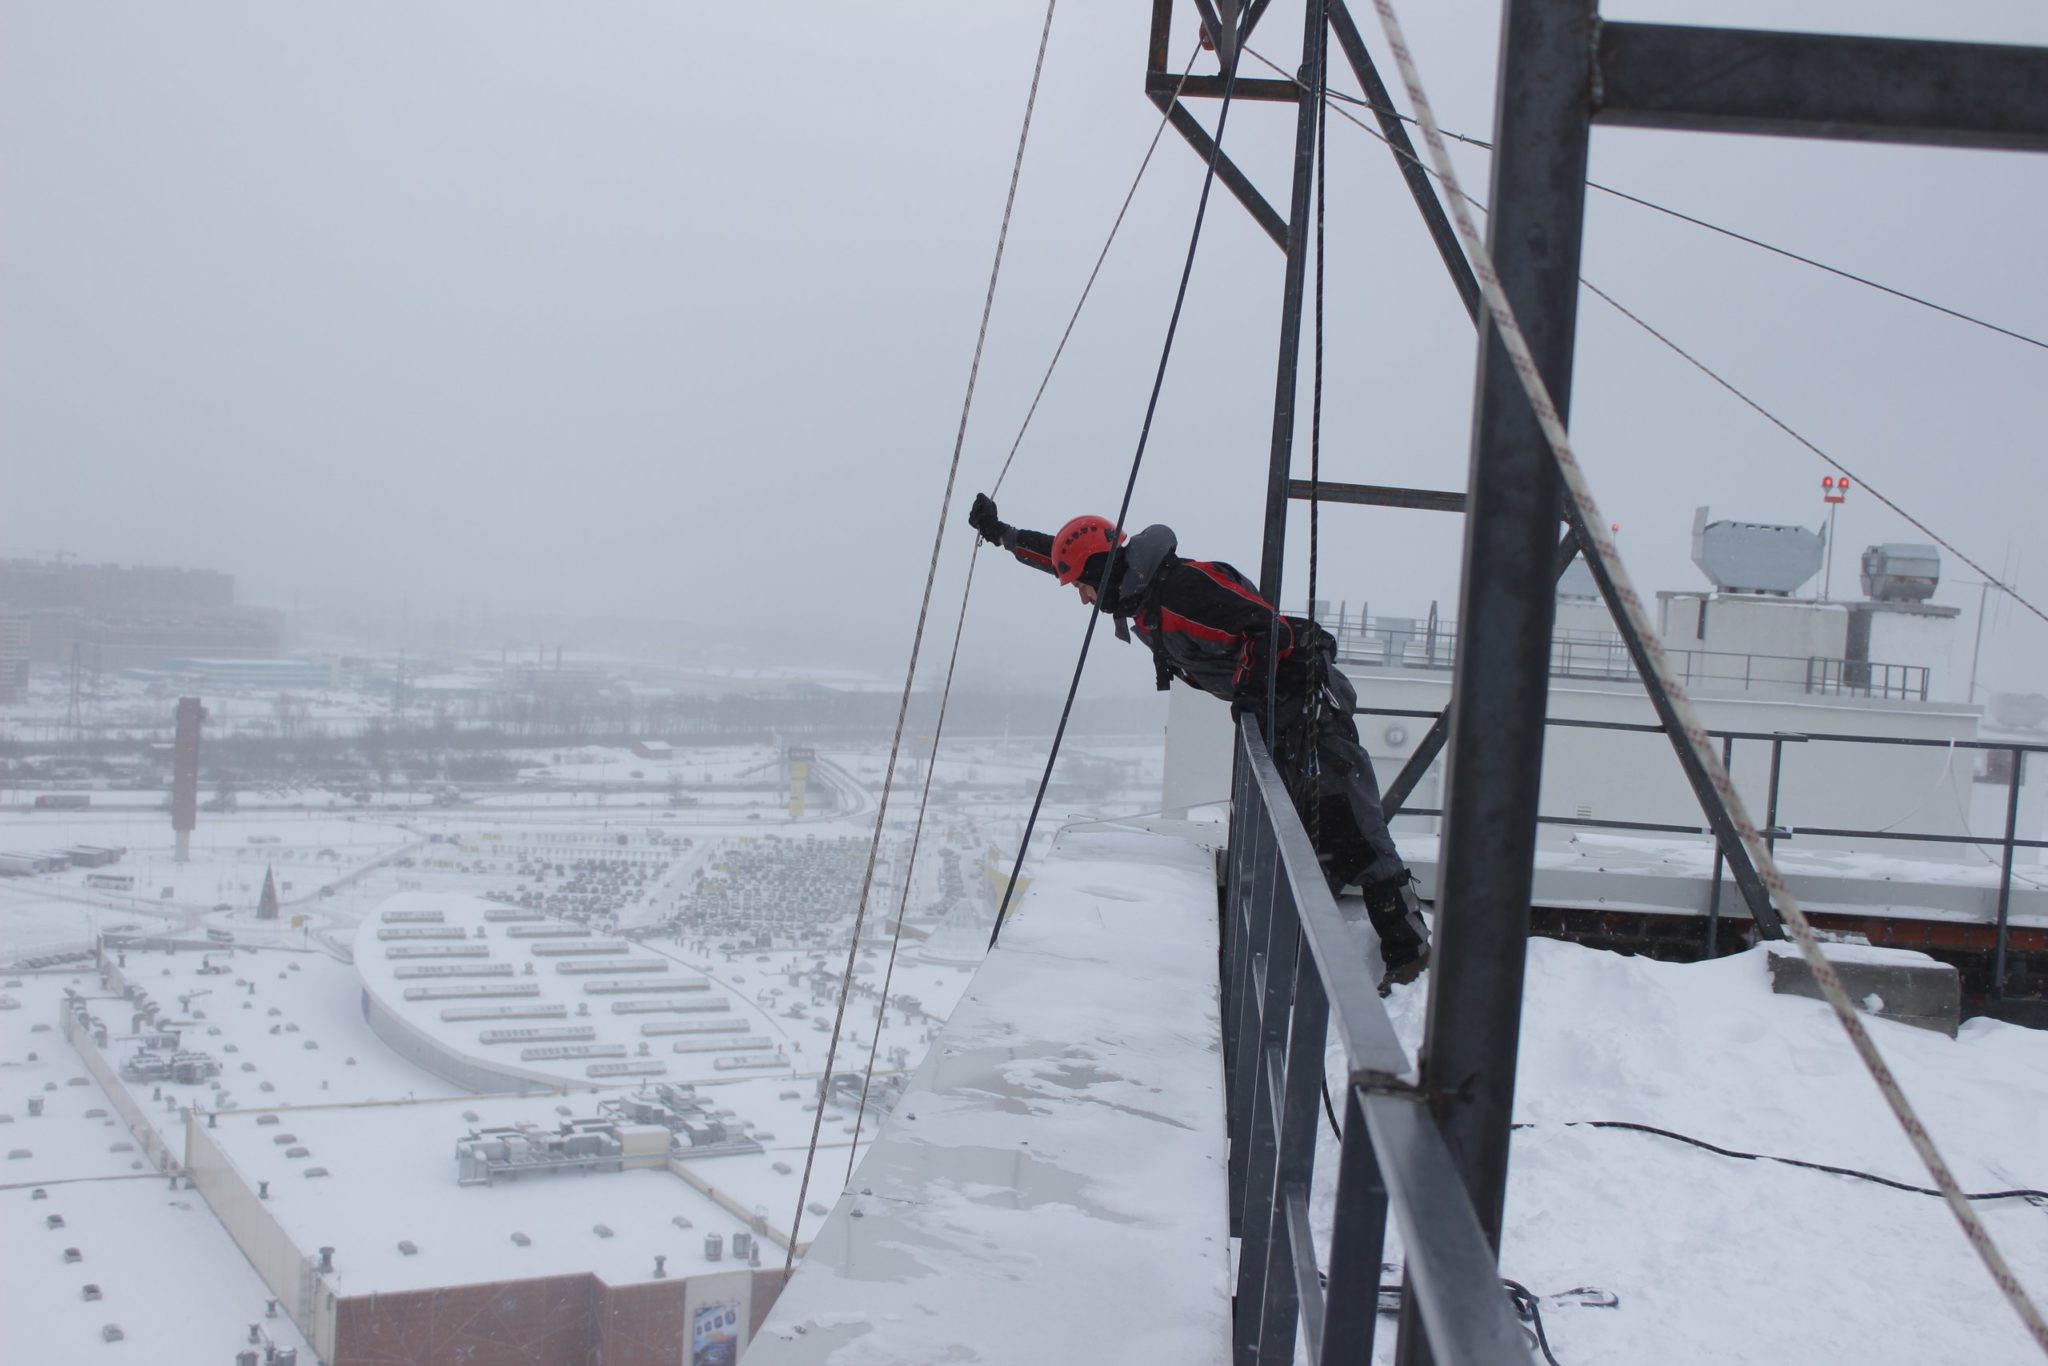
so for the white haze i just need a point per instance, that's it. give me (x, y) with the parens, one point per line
(656, 311)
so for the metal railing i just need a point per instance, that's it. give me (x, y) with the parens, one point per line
(1402, 642)
(1294, 966)
(1774, 831)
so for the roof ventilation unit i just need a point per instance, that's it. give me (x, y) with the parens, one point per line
(1755, 557)
(1900, 572)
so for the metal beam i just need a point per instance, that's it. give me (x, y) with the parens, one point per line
(1405, 159)
(1158, 36)
(1754, 894)
(1219, 32)
(1811, 85)
(1227, 171)
(1507, 606)
(1432, 742)
(1212, 87)
(1280, 454)
(1452, 1285)
(1377, 495)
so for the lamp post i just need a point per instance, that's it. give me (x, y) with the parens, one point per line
(1832, 492)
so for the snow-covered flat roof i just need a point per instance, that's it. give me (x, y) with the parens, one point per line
(391, 1177)
(529, 971)
(1720, 1259)
(1052, 1185)
(168, 1275)
(78, 1135)
(291, 1021)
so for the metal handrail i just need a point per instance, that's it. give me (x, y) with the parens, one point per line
(1603, 655)
(2008, 844)
(1293, 967)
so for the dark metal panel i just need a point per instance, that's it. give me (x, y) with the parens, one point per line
(1377, 495)
(1507, 604)
(2012, 820)
(1823, 86)
(1262, 1161)
(1452, 1280)
(1301, 1087)
(1251, 997)
(1301, 1244)
(1280, 453)
(1395, 132)
(1357, 1241)
(1227, 171)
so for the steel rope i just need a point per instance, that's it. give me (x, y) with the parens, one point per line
(960, 626)
(1457, 192)
(917, 642)
(1110, 561)
(1684, 217)
(1599, 541)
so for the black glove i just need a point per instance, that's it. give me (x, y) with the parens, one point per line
(982, 517)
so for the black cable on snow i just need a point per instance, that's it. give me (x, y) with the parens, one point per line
(1115, 555)
(2017, 1193)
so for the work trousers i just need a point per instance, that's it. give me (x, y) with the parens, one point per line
(1330, 775)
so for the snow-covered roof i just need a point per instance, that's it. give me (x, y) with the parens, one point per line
(1052, 1185)
(390, 1176)
(471, 977)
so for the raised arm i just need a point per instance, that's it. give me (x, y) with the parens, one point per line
(1030, 547)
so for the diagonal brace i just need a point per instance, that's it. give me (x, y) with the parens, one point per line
(1227, 171)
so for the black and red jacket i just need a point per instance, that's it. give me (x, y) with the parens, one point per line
(1203, 621)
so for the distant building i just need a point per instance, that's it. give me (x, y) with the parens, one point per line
(14, 655)
(654, 749)
(216, 675)
(124, 616)
(111, 587)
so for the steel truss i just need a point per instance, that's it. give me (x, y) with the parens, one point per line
(1563, 70)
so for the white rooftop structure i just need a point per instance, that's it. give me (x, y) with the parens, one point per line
(496, 998)
(389, 1175)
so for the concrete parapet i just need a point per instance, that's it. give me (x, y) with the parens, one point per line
(1896, 984)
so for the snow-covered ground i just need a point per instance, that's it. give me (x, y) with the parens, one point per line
(1722, 1261)
(280, 1009)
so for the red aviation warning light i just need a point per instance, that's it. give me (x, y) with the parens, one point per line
(1833, 490)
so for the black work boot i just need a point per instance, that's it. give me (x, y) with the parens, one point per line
(1396, 916)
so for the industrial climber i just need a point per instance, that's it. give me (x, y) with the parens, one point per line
(1208, 627)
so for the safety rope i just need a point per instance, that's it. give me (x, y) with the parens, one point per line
(1312, 714)
(1880, 286)
(1113, 558)
(1599, 541)
(960, 625)
(1767, 415)
(1456, 191)
(917, 644)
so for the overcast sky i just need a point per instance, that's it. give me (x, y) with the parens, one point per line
(667, 309)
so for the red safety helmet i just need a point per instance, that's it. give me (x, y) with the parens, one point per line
(1080, 541)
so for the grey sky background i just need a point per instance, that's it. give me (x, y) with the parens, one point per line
(665, 310)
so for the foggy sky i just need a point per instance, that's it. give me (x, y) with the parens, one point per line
(666, 310)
